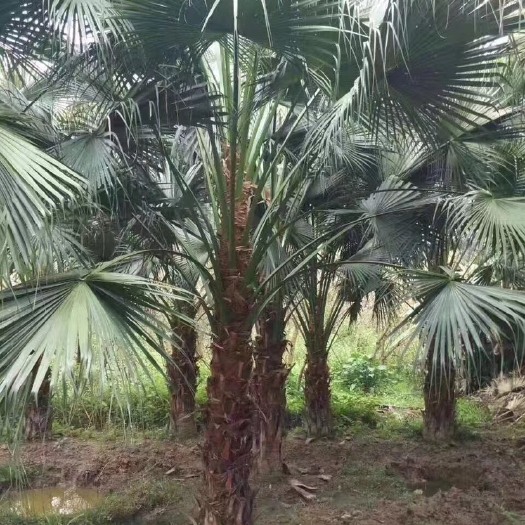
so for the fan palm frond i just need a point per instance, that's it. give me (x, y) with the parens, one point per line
(100, 319)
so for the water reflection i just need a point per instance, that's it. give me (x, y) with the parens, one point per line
(53, 500)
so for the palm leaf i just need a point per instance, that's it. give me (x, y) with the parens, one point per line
(100, 319)
(32, 186)
(495, 225)
(454, 318)
(424, 62)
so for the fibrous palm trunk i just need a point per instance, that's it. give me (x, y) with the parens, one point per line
(182, 377)
(439, 420)
(227, 450)
(269, 390)
(317, 394)
(39, 412)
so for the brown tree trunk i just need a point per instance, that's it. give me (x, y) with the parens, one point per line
(182, 379)
(439, 418)
(317, 394)
(228, 443)
(269, 390)
(39, 412)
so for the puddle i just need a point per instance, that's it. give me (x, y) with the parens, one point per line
(53, 500)
(432, 487)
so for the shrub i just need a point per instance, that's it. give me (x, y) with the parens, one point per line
(363, 373)
(354, 407)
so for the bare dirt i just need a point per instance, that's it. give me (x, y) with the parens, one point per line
(364, 480)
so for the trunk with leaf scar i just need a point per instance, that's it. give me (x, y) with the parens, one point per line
(317, 391)
(439, 419)
(228, 443)
(269, 390)
(182, 378)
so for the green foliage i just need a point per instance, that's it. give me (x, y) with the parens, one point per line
(201, 396)
(401, 428)
(351, 407)
(364, 373)
(361, 338)
(142, 497)
(472, 414)
(143, 404)
(14, 476)
(364, 391)
(405, 392)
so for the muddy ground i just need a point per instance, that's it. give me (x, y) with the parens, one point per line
(363, 480)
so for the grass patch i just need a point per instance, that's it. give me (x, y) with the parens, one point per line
(15, 476)
(400, 429)
(511, 518)
(364, 485)
(471, 413)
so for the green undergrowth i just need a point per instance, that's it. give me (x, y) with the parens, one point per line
(383, 393)
(15, 476)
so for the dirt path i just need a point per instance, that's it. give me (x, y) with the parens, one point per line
(366, 480)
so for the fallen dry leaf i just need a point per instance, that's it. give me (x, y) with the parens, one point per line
(325, 477)
(303, 490)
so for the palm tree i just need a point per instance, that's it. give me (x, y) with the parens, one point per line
(239, 158)
(51, 111)
(340, 267)
(451, 231)
(154, 224)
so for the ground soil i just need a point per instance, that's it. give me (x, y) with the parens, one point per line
(362, 480)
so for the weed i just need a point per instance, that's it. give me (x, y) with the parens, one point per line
(511, 518)
(363, 373)
(471, 413)
(15, 476)
(363, 388)
(364, 485)
(400, 428)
